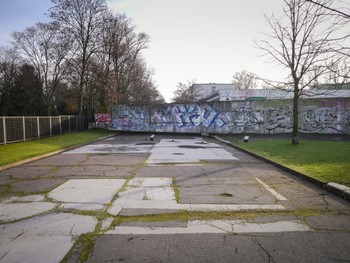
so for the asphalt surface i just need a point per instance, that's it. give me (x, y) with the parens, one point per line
(96, 203)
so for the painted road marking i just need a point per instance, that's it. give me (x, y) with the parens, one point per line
(214, 227)
(272, 191)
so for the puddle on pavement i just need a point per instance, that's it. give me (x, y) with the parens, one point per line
(190, 147)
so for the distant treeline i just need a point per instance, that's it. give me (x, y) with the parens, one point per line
(85, 60)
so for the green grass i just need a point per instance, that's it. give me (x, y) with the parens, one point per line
(326, 161)
(14, 152)
(212, 215)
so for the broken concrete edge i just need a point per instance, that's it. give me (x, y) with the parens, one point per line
(36, 158)
(337, 189)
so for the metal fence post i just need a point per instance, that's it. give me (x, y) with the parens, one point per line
(60, 122)
(38, 126)
(24, 128)
(69, 123)
(50, 126)
(4, 127)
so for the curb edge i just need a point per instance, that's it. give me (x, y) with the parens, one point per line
(335, 188)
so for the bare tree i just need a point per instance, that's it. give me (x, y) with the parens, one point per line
(305, 41)
(9, 63)
(143, 89)
(334, 10)
(117, 72)
(46, 47)
(185, 92)
(84, 19)
(339, 75)
(244, 80)
(126, 48)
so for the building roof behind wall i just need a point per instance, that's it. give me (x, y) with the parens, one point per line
(226, 92)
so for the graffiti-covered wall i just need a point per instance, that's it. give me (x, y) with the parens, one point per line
(267, 116)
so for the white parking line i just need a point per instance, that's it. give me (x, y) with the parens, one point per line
(272, 191)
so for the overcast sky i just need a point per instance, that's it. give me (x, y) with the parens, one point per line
(204, 40)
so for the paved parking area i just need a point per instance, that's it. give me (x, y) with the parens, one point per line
(164, 201)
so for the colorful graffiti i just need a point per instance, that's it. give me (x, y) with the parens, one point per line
(212, 118)
(103, 117)
(102, 120)
(319, 120)
(233, 117)
(187, 115)
(278, 118)
(130, 118)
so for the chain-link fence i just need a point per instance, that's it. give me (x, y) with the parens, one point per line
(15, 129)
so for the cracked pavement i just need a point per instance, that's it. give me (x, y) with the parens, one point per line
(175, 199)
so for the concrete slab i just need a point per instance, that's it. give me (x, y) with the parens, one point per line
(150, 182)
(82, 206)
(217, 227)
(27, 172)
(175, 249)
(115, 159)
(42, 239)
(164, 193)
(170, 223)
(271, 190)
(95, 171)
(4, 178)
(119, 204)
(94, 191)
(305, 195)
(27, 198)
(225, 194)
(111, 148)
(16, 211)
(30, 198)
(36, 186)
(155, 193)
(265, 247)
(187, 151)
(169, 171)
(60, 160)
(131, 193)
(192, 172)
(229, 207)
(106, 223)
(142, 211)
(329, 222)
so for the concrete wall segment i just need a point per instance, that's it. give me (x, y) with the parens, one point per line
(266, 116)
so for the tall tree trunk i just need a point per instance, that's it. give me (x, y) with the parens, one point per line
(81, 89)
(49, 109)
(80, 104)
(295, 132)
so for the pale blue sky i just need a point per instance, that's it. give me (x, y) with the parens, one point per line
(205, 40)
(15, 15)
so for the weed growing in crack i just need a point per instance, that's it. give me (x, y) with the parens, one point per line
(176, 190)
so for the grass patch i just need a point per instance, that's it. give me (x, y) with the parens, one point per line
(176, 190)
(326, 161)
(14, 152)
(213, 215)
